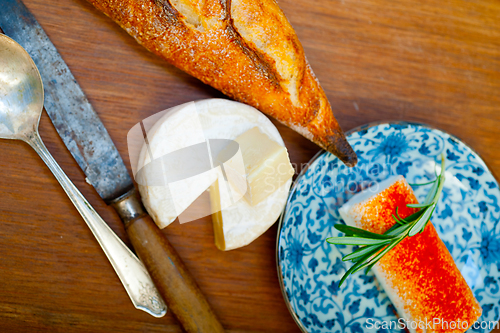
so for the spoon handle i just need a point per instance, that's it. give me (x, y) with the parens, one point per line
(129, 269)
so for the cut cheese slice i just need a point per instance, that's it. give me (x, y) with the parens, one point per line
(419, 275)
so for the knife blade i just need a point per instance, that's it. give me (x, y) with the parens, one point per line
(88, 141)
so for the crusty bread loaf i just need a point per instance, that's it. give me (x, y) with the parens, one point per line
(245, 48)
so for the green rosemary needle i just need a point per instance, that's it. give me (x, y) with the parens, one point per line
(372, 246)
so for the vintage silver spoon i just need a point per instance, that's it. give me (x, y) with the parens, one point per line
(21, 104)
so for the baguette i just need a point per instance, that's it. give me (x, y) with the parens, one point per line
(245, 48)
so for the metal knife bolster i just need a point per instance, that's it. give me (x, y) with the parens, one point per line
(129, 206)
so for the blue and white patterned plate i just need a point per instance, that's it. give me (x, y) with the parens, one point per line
(466, 219)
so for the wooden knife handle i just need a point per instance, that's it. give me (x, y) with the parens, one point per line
(177, 287)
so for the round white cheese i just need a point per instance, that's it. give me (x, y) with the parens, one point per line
(193, 123)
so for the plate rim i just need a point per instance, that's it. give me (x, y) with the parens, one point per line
(293, 188)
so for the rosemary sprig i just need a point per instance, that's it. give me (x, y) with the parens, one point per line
(372, 246)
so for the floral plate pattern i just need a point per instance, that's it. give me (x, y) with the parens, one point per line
(467, 220)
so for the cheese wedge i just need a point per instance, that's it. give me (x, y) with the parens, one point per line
(268, 173)
(419, 275)
(197, 123)
(241, 223)
(266, 164)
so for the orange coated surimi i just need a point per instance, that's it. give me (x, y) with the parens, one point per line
(419, 275)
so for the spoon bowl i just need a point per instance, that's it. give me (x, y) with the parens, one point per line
(21, 91)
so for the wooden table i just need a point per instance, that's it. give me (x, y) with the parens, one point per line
(436, 62)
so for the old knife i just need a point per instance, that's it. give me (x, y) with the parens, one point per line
(88, 141)
(131, 271)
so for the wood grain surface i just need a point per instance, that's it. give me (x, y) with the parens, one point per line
(435, 62)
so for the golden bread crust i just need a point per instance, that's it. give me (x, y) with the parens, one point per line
(245, 48)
